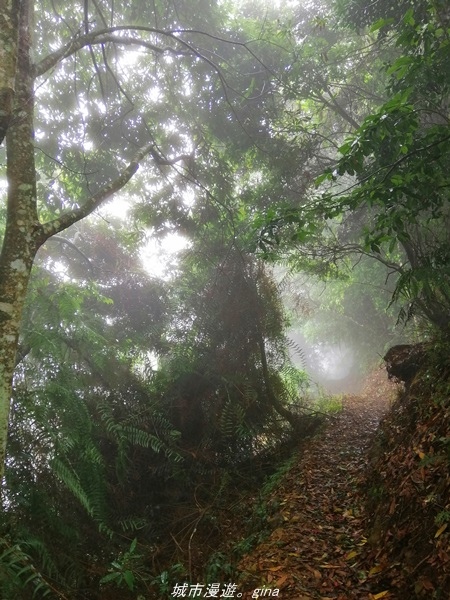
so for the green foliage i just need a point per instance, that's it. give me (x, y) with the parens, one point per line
(123, 571)
(296, 382)
(131, 393)
(84, 424)
(18, 572)
(273, 480)
(111, 440)
(400, 155)
(219, 568)
(222, 564)
(165, 581)
(228, 341)
(327, 403)
(377, 15)
(442, 517)
(391, 179)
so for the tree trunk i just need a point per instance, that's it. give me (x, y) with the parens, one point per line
(22, 232)
(276, 404)
(9, 13)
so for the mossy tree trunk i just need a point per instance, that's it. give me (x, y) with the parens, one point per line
(23, 232)
(9, 12)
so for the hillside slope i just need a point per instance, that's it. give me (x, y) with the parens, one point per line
(409, 485)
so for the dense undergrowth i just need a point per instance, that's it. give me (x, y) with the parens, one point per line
(219, 522)
(406, 491)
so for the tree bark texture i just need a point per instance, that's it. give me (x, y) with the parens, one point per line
(9, 19)
(21, 239)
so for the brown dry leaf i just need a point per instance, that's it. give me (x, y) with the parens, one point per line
(279, 582)
(392, 506)
(419, 453)
(427, 585)
(317, 574)
(323, 541)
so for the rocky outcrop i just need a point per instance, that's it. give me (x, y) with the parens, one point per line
(404, 361)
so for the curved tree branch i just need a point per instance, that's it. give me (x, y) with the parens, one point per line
(69, 218)
(66, 242)
(103, 36)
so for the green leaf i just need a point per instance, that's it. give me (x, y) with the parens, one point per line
(324, 177)
(129, 579)
(380, 23)
(409, 17)
(110, 577)
(401, 66)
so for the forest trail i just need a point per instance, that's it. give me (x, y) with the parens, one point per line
(316, 549)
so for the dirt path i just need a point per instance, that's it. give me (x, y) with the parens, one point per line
(315, 550)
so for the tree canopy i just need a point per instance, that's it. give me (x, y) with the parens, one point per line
(388, 191)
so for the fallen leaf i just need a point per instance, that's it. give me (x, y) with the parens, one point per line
(375, 570)
(317, 574)
(419, 453)
(279, 582)
(363, 541)
(440, 530)
(427, 585)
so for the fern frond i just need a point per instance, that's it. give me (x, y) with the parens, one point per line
(131, 524)
(40, 549)
(72, 482)
(296, 349)
(18, 572)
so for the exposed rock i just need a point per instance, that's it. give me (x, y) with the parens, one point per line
(403, 361)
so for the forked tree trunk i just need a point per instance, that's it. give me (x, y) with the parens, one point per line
(24, 234)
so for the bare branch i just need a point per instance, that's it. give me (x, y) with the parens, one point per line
(163, 161)
(104, 36)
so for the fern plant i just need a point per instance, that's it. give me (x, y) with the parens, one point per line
(85, 428)
(19, 573)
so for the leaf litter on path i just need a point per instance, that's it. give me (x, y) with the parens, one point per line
(316, 550)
